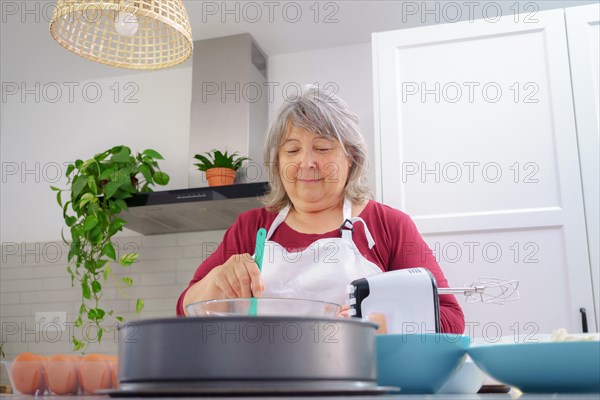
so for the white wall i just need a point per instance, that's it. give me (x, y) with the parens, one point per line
(44, 130)
(346, 70)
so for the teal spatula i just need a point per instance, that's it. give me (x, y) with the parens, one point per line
(259, 250)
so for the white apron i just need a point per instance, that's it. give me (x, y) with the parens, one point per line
(321, 271)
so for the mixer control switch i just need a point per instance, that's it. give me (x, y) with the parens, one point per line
(350, 290)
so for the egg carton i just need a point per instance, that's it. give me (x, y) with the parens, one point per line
(62, 374)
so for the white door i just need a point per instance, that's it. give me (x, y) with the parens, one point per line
(476, 141)
(584, 47)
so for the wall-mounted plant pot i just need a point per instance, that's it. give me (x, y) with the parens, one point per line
(220, 176)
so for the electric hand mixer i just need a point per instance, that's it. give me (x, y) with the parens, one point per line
(408, 298)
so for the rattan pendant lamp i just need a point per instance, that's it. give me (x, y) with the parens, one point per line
(136, 34)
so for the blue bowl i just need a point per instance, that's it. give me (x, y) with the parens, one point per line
(419, 363)
(551, 367)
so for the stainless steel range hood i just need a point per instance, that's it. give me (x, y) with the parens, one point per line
(191, 210)
(228, 112)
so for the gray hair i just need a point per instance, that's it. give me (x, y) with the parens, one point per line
(327, 115)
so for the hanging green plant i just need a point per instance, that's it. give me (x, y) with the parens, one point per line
(98, 189)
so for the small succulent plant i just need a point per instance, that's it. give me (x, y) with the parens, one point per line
(217, 159)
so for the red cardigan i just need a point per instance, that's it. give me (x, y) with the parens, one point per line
(398, 245)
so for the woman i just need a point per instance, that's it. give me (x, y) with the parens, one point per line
(322, 230)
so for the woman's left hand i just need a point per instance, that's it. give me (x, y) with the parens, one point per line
(379, 319)
(343, 312)
(376, 318)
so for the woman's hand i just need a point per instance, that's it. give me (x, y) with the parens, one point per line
(379, 319)
(343, 312)
(376, 318)
(238, 277)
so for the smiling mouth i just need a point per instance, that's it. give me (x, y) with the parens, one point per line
(309, 180)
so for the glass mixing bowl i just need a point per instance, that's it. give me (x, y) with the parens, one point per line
(265, 306)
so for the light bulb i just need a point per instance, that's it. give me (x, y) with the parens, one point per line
(126, 24)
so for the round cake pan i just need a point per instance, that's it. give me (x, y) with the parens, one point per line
(247, 350)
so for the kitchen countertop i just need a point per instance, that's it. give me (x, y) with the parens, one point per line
(487, 396)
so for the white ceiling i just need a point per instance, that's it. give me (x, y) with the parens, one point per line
(338, 23)
(29, 53)
(325, 24)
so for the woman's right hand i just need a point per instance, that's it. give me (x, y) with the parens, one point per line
(238, 277)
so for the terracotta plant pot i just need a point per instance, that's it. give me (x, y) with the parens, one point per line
(220, 176)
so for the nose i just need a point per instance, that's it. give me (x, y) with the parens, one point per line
(308, 160)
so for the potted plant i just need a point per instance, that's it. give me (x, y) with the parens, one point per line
(4, 389)
(220, 168)
(97, 191)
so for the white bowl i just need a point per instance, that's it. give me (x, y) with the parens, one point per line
(467, 379)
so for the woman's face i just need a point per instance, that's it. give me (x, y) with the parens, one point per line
(314, 169)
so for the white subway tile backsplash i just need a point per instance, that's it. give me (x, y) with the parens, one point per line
(199, 252)
(11, 261)
(160, 253)
(188, 264)
(169, 240)
(57, 283)
(152, 279)
(18, 329)
(31, 254)
(157, 305)
(156, 292)
(118, 271)
(125, 240)
(34, 279)
(120, 307)
(50, 270)
(112, 293)
(167, 265)
(17, 273)
(20, 323)
(39, 296)
(12, 348)
(69, 307)
(183, 278)
(16, 310)
(195, 238)
(49, 345)
(106, 347)
(19, 285)
(130, 316)
(160, 314)
(9, 298)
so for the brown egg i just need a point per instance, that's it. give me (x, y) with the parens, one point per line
(114, 371)
(95, 373)
(61, 374)
(28, 374)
